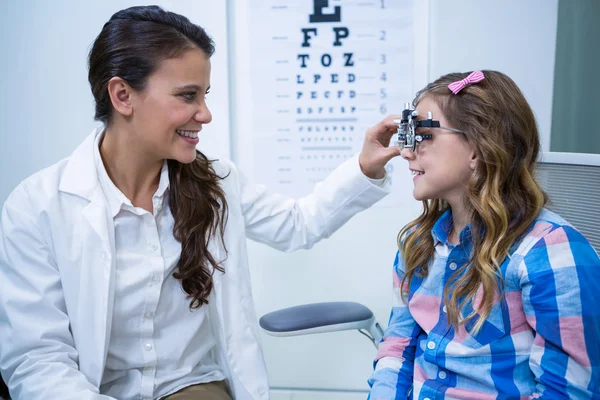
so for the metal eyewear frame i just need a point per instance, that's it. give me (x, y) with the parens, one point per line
(407, 128)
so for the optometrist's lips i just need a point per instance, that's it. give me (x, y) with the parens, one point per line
(190, 136)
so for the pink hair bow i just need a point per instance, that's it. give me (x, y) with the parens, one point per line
(474, 77)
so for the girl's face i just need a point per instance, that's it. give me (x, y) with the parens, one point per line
(443, 164)
(169, 113)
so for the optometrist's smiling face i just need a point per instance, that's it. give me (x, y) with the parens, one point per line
(169, 113)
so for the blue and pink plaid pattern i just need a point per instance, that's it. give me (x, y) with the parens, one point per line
(541, 340)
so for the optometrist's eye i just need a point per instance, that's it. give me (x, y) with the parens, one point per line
(189, 96)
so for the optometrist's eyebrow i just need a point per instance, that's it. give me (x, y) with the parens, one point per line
(190, 87)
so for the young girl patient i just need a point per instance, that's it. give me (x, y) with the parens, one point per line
(494, 294)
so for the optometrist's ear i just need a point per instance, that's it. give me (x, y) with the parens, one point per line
(120, 95)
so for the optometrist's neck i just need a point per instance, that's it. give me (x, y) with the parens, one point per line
(135, 172)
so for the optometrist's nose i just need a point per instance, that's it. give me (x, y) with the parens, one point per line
(407, 153)
(203, 114)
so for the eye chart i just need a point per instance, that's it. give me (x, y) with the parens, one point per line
(323, 72)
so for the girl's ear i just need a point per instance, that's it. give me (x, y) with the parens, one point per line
(474, 160)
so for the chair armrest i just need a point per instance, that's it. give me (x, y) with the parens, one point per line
(319, 318)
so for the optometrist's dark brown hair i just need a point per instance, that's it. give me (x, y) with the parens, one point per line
(132, 45)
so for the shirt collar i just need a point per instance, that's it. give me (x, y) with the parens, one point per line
(442, 228)
(115, 198)
(163, 183)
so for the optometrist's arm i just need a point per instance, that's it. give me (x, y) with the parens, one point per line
(37, 351)
(560, 277)
(289, 224)
(394, 364)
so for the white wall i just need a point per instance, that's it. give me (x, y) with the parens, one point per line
(514, 37)
(355, 264)
(46, 106)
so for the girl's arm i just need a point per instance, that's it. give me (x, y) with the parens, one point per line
(393, 376)
(560, 281)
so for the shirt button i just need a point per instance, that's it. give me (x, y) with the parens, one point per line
(148, 370)
(104, 256)
(149, 315)
(431, 345)
(452, 266)
(147, 347)
(442, 375)
(153, 247)
(444, 309)
(156, 278)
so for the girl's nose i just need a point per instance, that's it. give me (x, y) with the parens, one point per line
(407, 153)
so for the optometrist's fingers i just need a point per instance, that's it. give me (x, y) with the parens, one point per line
(384, 130)
(376, 151)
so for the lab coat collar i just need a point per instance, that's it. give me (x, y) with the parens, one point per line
(80, 176)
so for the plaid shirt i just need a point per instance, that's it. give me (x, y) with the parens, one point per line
(541, 340)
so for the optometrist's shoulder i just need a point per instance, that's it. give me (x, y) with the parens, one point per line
(131, 253)
(493, 293)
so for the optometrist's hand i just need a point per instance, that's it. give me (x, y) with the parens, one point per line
(376, 151)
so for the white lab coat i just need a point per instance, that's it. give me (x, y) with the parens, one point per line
(57, 272)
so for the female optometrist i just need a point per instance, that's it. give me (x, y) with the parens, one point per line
(123, 268)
